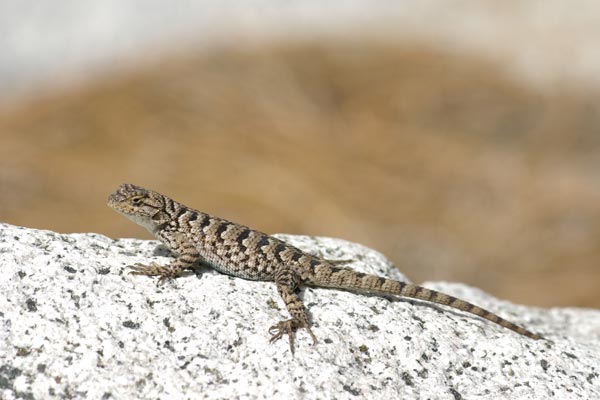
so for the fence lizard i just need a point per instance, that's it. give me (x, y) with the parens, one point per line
(239, 251)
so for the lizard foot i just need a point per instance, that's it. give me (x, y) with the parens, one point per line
(153, 269)
(288, 327)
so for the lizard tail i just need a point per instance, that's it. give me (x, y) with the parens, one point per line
(340, 278)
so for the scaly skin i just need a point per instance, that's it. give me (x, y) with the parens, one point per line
(239, 251)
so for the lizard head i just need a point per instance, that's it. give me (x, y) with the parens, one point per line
(144, 207)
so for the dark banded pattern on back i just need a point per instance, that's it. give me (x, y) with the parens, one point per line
(243, 236)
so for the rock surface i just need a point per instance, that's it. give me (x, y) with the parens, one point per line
(76, 325)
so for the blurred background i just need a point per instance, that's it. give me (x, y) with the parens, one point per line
(459, 138)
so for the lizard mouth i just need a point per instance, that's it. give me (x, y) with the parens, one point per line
(113, 200)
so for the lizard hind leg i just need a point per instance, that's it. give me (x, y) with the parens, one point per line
(287, 286)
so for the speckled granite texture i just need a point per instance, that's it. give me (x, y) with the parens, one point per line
(74, 324)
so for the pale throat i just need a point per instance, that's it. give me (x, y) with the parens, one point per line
(144, 221)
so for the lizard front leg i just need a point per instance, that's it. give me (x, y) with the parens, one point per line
(187, 256)
(286, 286)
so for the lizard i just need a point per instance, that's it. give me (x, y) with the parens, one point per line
(234, 249)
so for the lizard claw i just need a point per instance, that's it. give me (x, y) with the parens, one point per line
(288, 327)
(142, 269)
(283, 328)
(163, 279)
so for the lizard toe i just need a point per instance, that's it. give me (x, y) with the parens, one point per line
(283, 328)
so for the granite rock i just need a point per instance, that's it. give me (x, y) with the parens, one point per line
(74, 324)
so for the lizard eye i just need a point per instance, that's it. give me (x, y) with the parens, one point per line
(137, 200)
